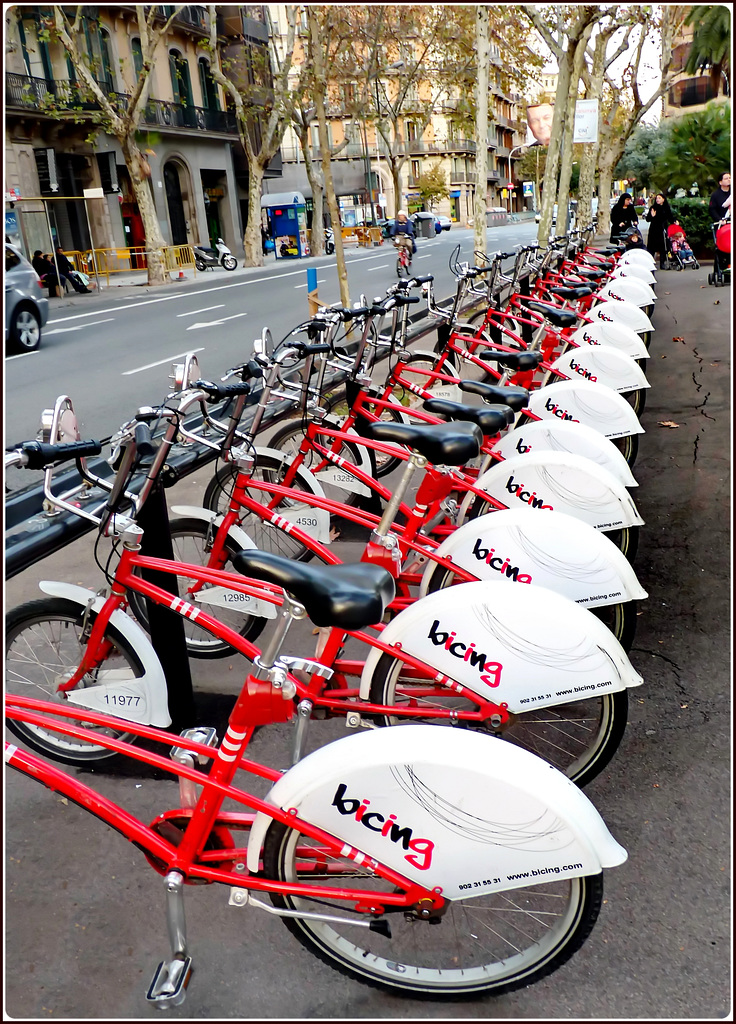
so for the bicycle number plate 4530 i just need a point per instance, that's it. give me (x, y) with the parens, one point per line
(315, 522)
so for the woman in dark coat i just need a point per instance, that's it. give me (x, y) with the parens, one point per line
(623, 216)
(659, 217)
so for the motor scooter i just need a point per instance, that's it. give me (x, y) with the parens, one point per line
(329, 242)
(205, 257)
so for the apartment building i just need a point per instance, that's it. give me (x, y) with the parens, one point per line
(361, 172)
(199, 174)
(688, 94)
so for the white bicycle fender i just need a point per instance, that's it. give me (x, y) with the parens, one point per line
(553, 551)
(638, 256)
(459, 812)
(559, 482)
(565, 436)
(635, 271)
(526, 647)
(611, 311)
(143, 700)
(593, 404)
(602, 364)
(617, 335)
(628, 289)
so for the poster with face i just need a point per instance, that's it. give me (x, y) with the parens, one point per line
(539, 118)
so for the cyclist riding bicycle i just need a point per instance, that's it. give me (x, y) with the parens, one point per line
(403, 226)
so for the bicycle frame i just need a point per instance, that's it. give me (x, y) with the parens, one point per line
(340, 699)
(205, 816)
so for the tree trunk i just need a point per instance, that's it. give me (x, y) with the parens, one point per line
(483, 47)
(563, 193)
(320, 87)
(314, 177)
(252, 241)
(606, 163)
(155, 243)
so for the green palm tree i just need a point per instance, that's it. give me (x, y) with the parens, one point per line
(711, 45)
(699, 149)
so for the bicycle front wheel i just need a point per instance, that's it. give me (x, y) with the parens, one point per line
(44, 644)
(269, 469)
(289, 438)
(192, 542)
(487, 945)
(578, 738)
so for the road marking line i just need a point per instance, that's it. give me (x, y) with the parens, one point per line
(20, 355)
(205, 310)
(170, 359)
(320, 280)
(215, 323)
(77, 327)
(379, 267)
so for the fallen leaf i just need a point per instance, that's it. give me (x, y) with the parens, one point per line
(717, 302)
(678, 339)
(683, 706)
(655, 785)
(703, 286)
(668, 423)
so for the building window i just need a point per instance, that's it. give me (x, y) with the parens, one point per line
(136, 51)
(180, 82)
(106, 79)
(209, 88)
(416, 169)
(691, 92)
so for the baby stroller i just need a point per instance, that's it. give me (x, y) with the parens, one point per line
(722, 262)
(679, 253)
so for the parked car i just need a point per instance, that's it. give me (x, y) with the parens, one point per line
(445, 222)
(26, 307)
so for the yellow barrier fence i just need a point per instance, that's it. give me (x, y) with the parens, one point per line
(125, 259)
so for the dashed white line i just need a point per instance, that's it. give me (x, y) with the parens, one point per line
(170, 359)
(206, 309)
(77, 327)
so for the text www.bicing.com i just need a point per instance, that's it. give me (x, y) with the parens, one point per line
(535, 872)
(581, 689)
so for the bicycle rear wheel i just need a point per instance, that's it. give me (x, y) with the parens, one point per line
(578, 738)
(487, 945)
(44, 644)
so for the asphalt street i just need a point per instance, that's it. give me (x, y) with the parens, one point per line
(84, 914)
(112, 352)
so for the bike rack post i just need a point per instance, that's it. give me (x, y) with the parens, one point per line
(167, 628)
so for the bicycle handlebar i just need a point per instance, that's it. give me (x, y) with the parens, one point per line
(38, 455)
(215, 391)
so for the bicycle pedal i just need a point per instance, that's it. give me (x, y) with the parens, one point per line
(169, 984)
(305, 665)
(208, 736)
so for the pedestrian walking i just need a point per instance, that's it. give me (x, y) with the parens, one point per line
(659, 217)
(720, 201)
(623, 216)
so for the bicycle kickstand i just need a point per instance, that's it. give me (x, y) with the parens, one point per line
(170, 981)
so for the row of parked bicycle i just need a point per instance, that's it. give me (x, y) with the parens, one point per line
(495, 596)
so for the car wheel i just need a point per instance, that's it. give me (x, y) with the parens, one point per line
(25, 330)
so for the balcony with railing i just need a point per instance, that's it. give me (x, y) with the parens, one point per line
(45, 94)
